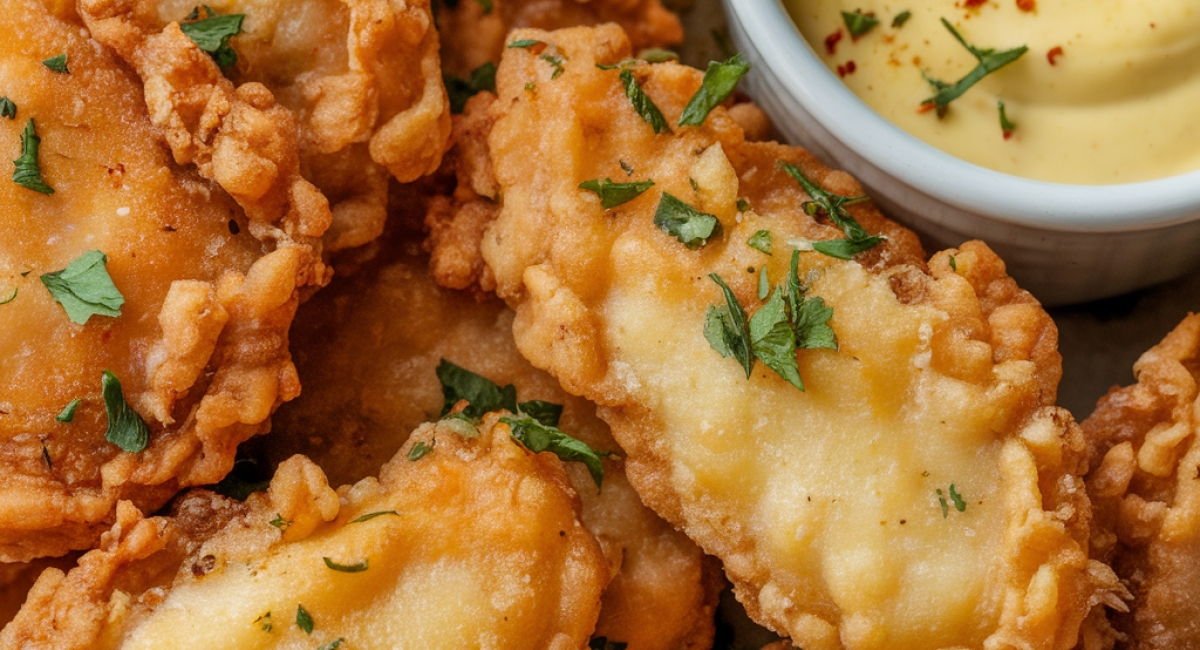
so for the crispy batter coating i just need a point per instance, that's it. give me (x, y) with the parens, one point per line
(1145, 484)
(359, 91)
(368, 346)
(200, 346)
(474, 32)
(823, 504)
(221, 574)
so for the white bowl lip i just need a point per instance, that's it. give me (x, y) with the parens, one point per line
(1048, 206)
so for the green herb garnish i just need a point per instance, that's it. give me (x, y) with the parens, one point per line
(764, 285)
(304, 620)
(538, 437)
(280, 523)
(989, 61)
(1005, 125)
(371, 515)
(901, 18)
(942, 501)
(743, 205)
(8, 108)
(419, 450)
(212, 34)
(46, 457)
(333, 645)
(346, 568)
(85, 289)
(858, 23)
(627, 167)
(526, 43)
(614, 194)
(689, 225)
(556, 62)
(544, 412)
(657, 55)
(487, 6)
(460, 90)
(26, 172)
(953, 264)
(57, 64)
(265, 621)
(68, 412)
(243, 480)
(12, 295)
(126, 429)
(788, 321)
(643, 104)
(760, 241)
(959, 504)
(719, 81)
(482, 394)
(857, 238)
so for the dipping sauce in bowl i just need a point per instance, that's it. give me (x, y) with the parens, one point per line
(1108, 91)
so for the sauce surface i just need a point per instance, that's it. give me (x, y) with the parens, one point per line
(1117, 105)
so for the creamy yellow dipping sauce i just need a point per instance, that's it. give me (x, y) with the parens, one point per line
(1121, 103)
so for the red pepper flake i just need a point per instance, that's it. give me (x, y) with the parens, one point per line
(973, 3)
(1026, 5)
(844, 70)
(1053, 54)
(926, 107)
(831, 42)
(1007, 134)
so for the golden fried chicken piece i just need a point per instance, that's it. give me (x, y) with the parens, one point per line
(200, 343)
(473, 32)
(922, 492)
(1145, 484)
(368, 347)
(358, 85)
(477, 543)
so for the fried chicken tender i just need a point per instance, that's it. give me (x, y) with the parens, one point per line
(368, 347)
(475, 544)
(200, 345)
(1145, 484)
(474, 32)
(922, 492)
(339, 93)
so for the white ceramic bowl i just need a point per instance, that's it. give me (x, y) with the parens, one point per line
(1064, 243)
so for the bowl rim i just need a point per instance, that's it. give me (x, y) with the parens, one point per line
(969, 187)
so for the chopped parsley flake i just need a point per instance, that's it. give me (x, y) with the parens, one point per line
(538, 437)
(959, 504)
(280, 523)
(857, 238)
(304, 620)
(333, 645)
(243, 480)
(535, 46)
(858, 23)
(760, 241)
(57, 64)
(719, 81)
(487, 6)
(556, 62)
(901, 18)
(613, 194)
(68, 412)
(12, 295)
(85, 289)
(460, 90)
(264, 622)
(680, 220)
(953, 264)
(643, 104)
(743, 205)
(764, 285)
(989, 62)
(8, 108)
(482, 394)
(26, 172)
(346, 568)
(1005, 125)
(212, 34)
(657, 55)
(788, 321)
(371, 515)
(126, 429)
(419, 450)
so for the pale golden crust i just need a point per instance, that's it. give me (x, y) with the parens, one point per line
(148, 569)
(360, 78)
(581, 279)
(368, 346)
(1145, 482)
(201, 343)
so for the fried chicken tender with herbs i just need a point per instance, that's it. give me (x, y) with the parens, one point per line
(921, 492)
(368, 348)
(196, 332)
(474, 33)
(339, 93)
(1145, 484)
(476, 543)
